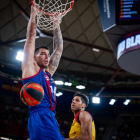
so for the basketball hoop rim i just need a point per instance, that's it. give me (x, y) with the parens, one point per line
(32, 2)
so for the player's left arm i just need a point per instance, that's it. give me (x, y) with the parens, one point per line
(56, 55)
(86, 127)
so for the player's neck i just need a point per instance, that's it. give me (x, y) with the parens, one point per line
(44, 70)
(75, 113)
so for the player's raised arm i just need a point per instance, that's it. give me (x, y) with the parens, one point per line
(86, 127)
(56, 55)
(30, 42)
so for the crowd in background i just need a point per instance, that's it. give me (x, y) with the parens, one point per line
(128, 128)
(14, 120)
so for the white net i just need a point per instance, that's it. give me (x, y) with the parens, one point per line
(50, 12)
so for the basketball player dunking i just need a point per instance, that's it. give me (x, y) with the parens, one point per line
(39, 67)
(83, 127)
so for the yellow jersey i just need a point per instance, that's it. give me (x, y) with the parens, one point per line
(75, 130)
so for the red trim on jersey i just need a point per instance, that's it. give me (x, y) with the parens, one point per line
(53, 79)
(49, 90)
(51, 94)
(90, 115)
(55, 101)
(77, 116)
(32, 76)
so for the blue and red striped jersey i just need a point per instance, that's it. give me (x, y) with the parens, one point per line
(46, 81)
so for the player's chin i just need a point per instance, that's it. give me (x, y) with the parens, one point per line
(73, 109)
(45, 65)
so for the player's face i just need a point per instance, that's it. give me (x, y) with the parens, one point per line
(42, 58)
(76, 104)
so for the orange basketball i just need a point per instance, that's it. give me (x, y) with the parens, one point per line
(31, 94)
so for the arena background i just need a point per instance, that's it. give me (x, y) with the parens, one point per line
(87, 60)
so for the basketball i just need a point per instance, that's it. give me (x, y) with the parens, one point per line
(31, 94)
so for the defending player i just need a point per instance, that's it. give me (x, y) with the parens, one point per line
(39, 68)
(83, 127)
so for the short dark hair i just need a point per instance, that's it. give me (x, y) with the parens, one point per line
(37, 49)
(84, 98)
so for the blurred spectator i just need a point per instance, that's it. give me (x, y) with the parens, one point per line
(16, 118)
(128, 129)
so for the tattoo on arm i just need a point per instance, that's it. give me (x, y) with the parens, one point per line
(54, 62)
(55, 58)
(52, 69)
(58, 39)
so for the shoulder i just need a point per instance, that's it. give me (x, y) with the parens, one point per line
(31, 70)
(84, 115)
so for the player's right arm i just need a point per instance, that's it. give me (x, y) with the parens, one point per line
(28, 61)
(86, 127)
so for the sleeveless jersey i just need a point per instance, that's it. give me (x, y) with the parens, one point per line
(46, 81)
(75, 130)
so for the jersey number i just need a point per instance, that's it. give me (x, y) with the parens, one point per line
(53, 90)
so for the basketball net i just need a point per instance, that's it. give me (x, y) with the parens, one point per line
(49, 13)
